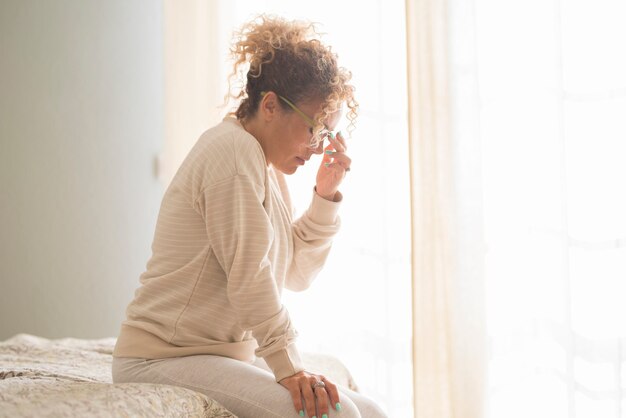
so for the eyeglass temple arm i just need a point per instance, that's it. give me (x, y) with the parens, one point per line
(308, 119)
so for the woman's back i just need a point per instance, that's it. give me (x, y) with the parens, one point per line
(183, 299)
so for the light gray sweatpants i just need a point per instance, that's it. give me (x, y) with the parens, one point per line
(247, 390)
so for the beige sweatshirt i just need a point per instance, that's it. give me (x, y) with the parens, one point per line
(224, 247)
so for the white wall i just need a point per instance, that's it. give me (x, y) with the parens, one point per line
(81, 122)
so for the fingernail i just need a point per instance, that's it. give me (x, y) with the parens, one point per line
(301, 413)
(338, 406)
(329, 152)
(332, 135)
(314, 416)
(339, 133)
(326, 164)
(324, 416)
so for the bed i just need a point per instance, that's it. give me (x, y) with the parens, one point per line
(72, 377)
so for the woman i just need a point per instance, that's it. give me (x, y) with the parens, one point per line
(208, 315)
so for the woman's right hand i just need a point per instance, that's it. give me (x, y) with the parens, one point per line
(300, 385)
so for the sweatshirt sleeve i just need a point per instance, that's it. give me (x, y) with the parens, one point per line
(312, 237)
(240, 234)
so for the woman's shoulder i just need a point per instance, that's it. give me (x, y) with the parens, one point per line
(227, 150)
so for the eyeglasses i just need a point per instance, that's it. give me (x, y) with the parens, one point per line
(316, 139)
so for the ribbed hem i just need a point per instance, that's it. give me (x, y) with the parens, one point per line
(322, 211)
(285, 362)
(136, 342)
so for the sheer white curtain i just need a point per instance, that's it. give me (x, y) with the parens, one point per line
(539, 127)
(359, 308)
(447, 234)
(194, 40)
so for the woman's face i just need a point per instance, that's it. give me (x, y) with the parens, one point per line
(289, 146)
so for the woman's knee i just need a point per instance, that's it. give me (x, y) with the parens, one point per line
(371, 409)
(365, 406)
(348, 410)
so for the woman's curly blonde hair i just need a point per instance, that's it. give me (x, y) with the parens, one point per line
(285, 57)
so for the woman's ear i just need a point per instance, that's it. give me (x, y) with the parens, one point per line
(269, 106)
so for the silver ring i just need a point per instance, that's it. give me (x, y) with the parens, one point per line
(319, 384)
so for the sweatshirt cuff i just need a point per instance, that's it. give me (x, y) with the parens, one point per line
(285, 362)
(322, 211)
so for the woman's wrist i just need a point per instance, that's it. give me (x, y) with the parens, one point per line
(330, 197)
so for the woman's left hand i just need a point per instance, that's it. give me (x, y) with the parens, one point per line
(333, 167)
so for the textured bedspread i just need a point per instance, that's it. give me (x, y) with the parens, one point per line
(72, 377)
